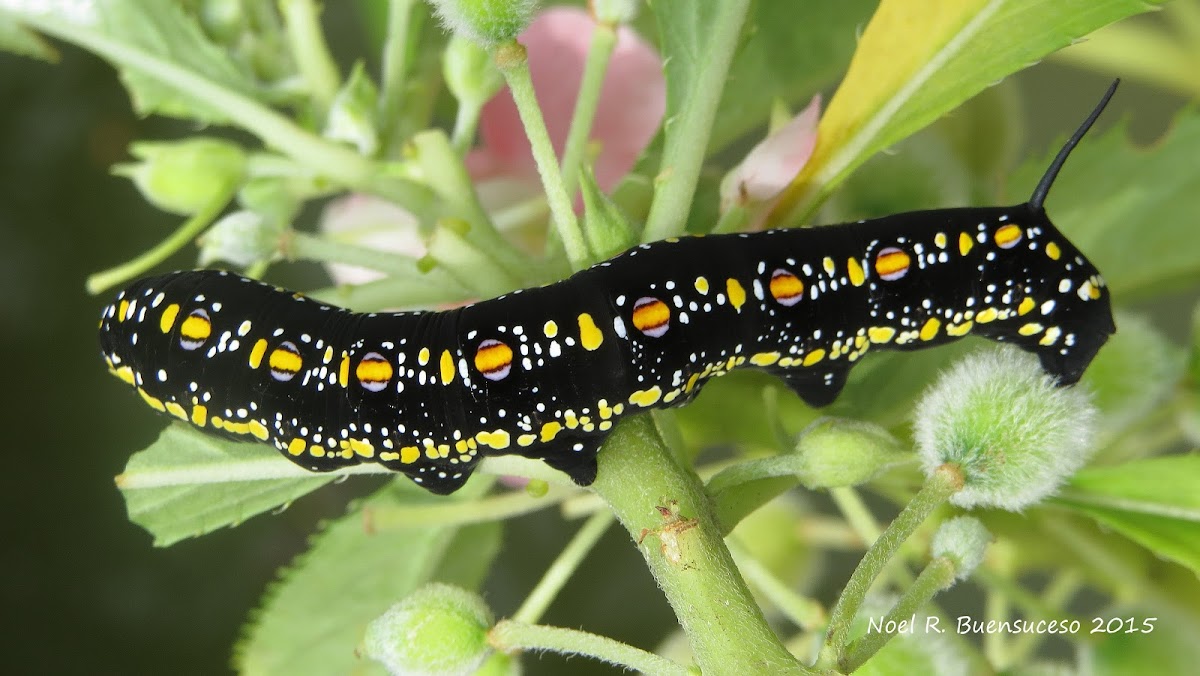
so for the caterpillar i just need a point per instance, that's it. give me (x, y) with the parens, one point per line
(547, 372)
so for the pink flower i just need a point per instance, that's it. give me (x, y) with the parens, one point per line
(772, 164)
(633, 99)
(632, 103)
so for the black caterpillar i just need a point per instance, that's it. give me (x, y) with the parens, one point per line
(547, 372)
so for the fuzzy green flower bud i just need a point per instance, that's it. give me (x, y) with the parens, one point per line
(352, 114)
(1013, 433)
(487, 22)
(224, 20)
(614, 11)
(838, 452)
(438, 630)
(186, 176)
(241, 238)
(963, 540)
(471, 74)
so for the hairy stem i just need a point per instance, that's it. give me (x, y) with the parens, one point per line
(563, 567)
(510, 636)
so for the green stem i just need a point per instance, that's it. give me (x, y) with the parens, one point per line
(804, 612)
(472, 266)
(187, 232)
(938, 575)
(604, 40)
(466, 122)
(435, 288)
(563, 567)
(1057, 594)
(396, 63)
(302, 21)
(324, 249)
(945, 481)
(685, 552)
(857, 514)
(733, 220)
(513, 64)
(510, 636)
(323, 157)
(691, 125)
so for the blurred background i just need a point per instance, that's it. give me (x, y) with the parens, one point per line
(84, 589)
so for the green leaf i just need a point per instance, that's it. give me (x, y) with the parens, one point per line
(312, 620)
(788, 53)
(1131, 210)
(917, 61)
(188, 483)
(18, 40)
(1155, 502)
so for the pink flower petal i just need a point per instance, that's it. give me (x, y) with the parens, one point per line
(632, 100)
(772, 164)
(372, 222)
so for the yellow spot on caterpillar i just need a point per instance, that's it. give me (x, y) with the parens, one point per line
(930, 330)
(126, 374)
(259, 430)
(881, 334)
(892, 263)
(965, 243)
(764, 358)
(410, 454)
(423, 356)
(388, 456)
(154, 402)
(196, 328)
(344, 370)
(651, 316)
(702, 286)
(1030, 329)
(461, 446)
(362, 447)
(671, 396)
(1008, 236)
(328, 357)
(498, 440)
(605, 425)
(605, 410)
(828, 265)
(494, 359)
(285, 360)
(646, 397)
(374, 371)
(316, 451)
(1051, 336)
(199, 415)
(940, 240)
(857, 276)
(1026, 306)
(737, 294)
(257, 353)
(297, 446)
(691, 383)
(447, 367)
(550, 430)
(550, 329)
(960, 329)
(1053, 251)
(176, 410)
(122, 310)
(168, 317)
(814, 357)
(786, 288)
(589, 335)
(571, 420)
(988, 315)
(526, 439)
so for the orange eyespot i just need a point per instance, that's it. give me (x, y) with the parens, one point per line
(196, 329)
(786, 287)
(892, 263)
(651, 316)
(285, 362)
(1008, 236)
(374, 372)
(494, 359)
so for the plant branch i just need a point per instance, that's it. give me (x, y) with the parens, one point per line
(563, 567)
(510, 636)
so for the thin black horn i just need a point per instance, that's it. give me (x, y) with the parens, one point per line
(1039, 193)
